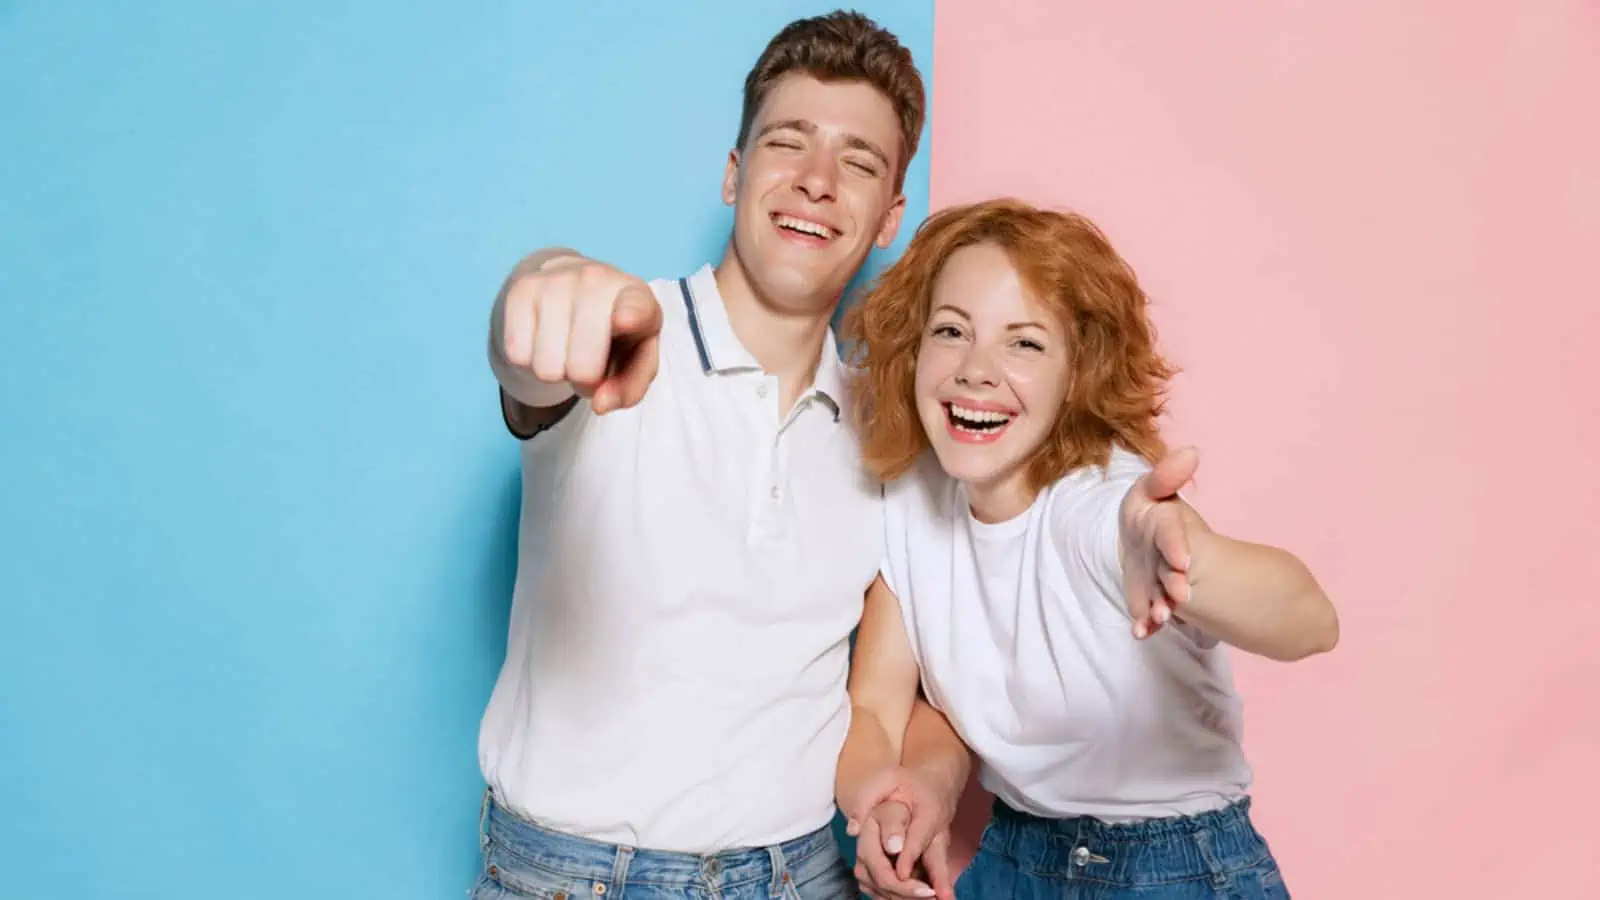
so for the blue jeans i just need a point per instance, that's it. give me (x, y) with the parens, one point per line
(1211, 855)
(523, 860)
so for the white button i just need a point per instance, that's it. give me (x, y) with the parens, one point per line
(775, 492)
(1081, 856)
(761, 391)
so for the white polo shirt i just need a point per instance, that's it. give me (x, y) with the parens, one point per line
(1026, 644)
(689, 574)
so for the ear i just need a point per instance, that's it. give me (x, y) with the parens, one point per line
(891, 222)
(730, 179)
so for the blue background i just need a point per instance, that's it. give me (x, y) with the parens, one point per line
(257, 509)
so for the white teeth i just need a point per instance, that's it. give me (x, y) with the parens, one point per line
(977, 415)
(790, 222)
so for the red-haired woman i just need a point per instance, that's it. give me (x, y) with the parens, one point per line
(1045, 585)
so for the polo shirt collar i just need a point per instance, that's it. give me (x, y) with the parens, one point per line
(720, 351)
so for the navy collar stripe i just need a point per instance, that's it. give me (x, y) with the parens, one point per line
(694, 324)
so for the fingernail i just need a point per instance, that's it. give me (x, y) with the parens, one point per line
(1139, 630)
(1161, 616)
(895, 844)
(924, 892)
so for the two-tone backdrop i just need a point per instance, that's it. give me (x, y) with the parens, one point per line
(257, 506)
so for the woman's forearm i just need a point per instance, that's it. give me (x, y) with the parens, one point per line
(1260, 599)
(868, 750)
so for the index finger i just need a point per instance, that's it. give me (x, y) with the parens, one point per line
(936, 860)
(919, 835)
(870, 853)
(636, 313)
(637, 365)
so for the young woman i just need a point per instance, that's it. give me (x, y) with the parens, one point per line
(1045, 586)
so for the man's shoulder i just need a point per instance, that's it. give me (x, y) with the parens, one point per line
(922, 490)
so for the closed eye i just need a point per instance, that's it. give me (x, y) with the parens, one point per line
(946, 331)
(1030, 345)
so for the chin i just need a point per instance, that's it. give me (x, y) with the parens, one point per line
(965, 466)
(800, 292)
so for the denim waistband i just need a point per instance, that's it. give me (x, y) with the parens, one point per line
(518, 843)
(1154, 851)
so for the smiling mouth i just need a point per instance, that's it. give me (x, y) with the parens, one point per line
(985, 423)
(804, 227)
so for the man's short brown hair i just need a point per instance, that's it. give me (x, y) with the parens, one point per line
(843, 46)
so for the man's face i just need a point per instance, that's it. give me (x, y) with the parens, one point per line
(813, 189)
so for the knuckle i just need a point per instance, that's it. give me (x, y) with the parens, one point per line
(596, 276)
(549, 367)
(515, 355)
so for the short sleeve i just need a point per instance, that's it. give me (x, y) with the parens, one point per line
(1085, 518)
(898, 498)
(1084, 525)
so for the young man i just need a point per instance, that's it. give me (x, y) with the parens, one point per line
(697, 529)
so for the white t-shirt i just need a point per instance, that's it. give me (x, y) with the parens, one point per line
(1026, 645)
(689, 573)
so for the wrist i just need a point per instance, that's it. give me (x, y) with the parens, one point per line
(1204, 547)
(947, 778)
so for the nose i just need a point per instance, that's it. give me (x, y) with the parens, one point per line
(977, 369)
(818, 179)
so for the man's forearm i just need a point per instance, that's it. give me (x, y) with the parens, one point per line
(519, 382)
(1260, 599)
(933, 748)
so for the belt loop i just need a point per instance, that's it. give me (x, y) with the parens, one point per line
(483, 819)
(780, 871)
(1219, 874)
(619, 869)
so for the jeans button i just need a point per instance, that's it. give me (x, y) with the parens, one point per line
(1080, 857)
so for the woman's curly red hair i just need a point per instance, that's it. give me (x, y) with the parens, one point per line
(1119, 381)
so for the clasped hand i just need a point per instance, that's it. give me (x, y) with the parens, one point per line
(902, 828)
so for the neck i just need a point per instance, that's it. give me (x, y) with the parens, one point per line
(785, 344)
(1001, 500)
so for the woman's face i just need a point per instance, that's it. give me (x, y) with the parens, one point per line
(992, 373)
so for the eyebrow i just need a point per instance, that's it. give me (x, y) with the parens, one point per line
(853, 141)
(1014, 326)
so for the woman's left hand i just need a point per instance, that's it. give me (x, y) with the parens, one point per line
(1155, 542)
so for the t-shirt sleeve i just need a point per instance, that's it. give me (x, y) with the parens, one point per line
(1085, 517)
(899, 498)
(1084, 526)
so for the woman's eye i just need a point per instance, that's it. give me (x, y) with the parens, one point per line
(946, 331)
(1033, 346)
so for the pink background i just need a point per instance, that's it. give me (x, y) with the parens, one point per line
(1372, 232)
